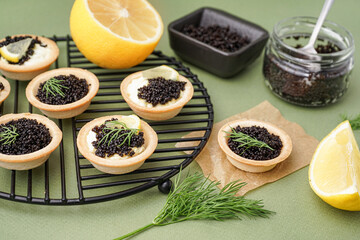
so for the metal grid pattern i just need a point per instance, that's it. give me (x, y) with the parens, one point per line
(92, 185)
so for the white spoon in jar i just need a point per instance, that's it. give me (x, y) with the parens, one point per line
(309, 48)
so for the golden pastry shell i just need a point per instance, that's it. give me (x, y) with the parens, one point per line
(34, 159)
(113, 166)
(4, 93)
(66, 110)
(250, 165)
(160, 113)
(25, 73)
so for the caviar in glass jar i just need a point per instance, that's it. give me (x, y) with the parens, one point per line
(308, 79)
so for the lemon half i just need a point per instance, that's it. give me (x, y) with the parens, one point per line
(115, 33)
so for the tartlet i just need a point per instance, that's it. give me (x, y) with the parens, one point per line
(28, 72)
(34, 159)
(66, 110)
(250, 165)
(158, 113)
(4, 93)
(116, 166)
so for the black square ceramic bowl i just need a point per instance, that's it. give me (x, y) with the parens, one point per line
(223, 64)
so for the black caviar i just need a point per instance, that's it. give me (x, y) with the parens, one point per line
(117, 145)
(30, 50)
(32, 136)
(256, 153)
(322, 46)
(74, 90)
(1, 86)
(325, 48)
(302, 85)
(219, 37)
(160, 91)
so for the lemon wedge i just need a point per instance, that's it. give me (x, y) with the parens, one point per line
(131, 121)
(162, 71)
(13, 52)
(334, 172)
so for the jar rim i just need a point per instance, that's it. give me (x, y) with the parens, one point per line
(348, 50)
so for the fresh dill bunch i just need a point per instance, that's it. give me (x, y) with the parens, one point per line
(196, 198)
(354, 122)
(115, 128)
(246, 141)
(54, 87)
(8, 136)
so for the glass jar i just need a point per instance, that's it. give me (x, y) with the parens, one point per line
(308, 79)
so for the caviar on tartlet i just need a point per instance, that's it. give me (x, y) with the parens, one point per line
(27, 140)
(254, 143)
(254, 146)
(22, 57)
(64, 92)
(161, 91)
(4, 89)
(156, 94)
(62, 89)
(117, 144)
(114, 139)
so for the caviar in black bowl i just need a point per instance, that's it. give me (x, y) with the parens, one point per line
(216, 41)
(62, 89)
(216, 36)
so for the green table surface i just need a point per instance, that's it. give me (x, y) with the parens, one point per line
(300, 213)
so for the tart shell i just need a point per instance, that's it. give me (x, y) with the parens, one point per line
(4, 93)
(113, 166)
(250, 165)
(26, 73)
(66, 110)
(34, 159)
(161, 113)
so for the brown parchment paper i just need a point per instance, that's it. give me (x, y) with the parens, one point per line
(214, 163)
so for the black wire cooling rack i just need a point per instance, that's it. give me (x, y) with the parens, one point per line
(67, 178)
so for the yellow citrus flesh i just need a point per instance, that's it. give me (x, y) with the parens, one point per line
(115, 33)
(334, 172)
(131, 121)
(162, 71)
(11, 57)
(15, 51)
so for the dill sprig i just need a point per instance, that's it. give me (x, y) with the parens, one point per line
(8, 136)
(246, 141)
(54, 87)
(196, 198)
(115, 128)
(354, 122)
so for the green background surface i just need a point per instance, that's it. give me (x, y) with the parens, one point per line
(300, 213)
